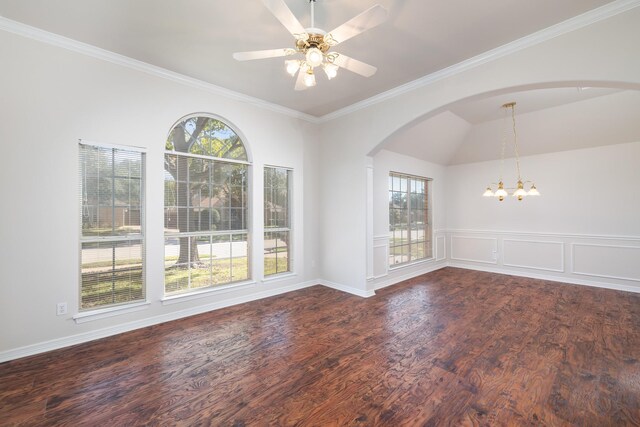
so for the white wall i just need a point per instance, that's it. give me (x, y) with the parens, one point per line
(51, 97)
(388, 161)
(602, 53)
(585, 227)
(589, 191)
(379, 274)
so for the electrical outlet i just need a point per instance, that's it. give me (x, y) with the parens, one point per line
(61, 308)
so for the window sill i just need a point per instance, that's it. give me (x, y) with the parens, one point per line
(279, 276)
(89, 316)
(411, 264)
(174, 299)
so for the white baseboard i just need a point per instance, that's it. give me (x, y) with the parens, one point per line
(348, 289)
(397, 278)
(58, 343)
(552, 278)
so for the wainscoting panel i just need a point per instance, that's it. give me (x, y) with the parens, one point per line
(608, 261)
(475, 249)
(594, 260)
(441, 248)
(536, 254)
(380, 256)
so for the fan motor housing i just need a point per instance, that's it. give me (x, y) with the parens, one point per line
(314, 40)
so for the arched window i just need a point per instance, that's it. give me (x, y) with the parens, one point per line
(206, 206)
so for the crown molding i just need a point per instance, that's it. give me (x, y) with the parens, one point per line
(588, 18)
(599, 14)
(115, 58)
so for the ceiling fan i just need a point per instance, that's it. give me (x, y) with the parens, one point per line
(315, 44)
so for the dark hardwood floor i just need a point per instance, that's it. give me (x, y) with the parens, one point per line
(453, 347)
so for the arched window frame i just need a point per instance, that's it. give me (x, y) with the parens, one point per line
(183, 273)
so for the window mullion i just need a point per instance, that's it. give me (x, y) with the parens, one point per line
(113, 273)
(409, 216)
(113, 191)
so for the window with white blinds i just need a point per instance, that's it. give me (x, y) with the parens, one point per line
(409, 219)
(112, 236)
(277, 220)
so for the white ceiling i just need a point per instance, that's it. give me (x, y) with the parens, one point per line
(547, 121)
(197, 37)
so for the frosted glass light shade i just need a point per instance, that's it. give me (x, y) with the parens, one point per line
(519, 193)
(501, 192)
(533, 191)
(309, 79)
(314, 57)
(292, 66)
(488, 192)
(331, 70)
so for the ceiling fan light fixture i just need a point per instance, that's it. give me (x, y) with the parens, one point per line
(313, 44)
(314, 56)
(331, 70)
(309, 78)
(293, 65)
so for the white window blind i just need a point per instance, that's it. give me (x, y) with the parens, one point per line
(277, 220)
(112, 236)
(409, 219)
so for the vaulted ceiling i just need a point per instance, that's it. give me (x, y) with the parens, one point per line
(547, 120)
(197, 38)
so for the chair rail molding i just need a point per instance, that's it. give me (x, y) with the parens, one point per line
(606, 261)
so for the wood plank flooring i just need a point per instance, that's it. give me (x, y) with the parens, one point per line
(453, 347)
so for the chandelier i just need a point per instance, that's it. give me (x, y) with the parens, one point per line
(518, 191)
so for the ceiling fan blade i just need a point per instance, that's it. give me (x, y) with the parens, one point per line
(300, 80)
(262, 54)
(368, 19)
(355, 66)
(281, 11)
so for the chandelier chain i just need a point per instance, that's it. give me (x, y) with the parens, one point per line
(519, 190)
(515, 140)
(504, 144)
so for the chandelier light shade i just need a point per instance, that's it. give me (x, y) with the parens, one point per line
(519, 191)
